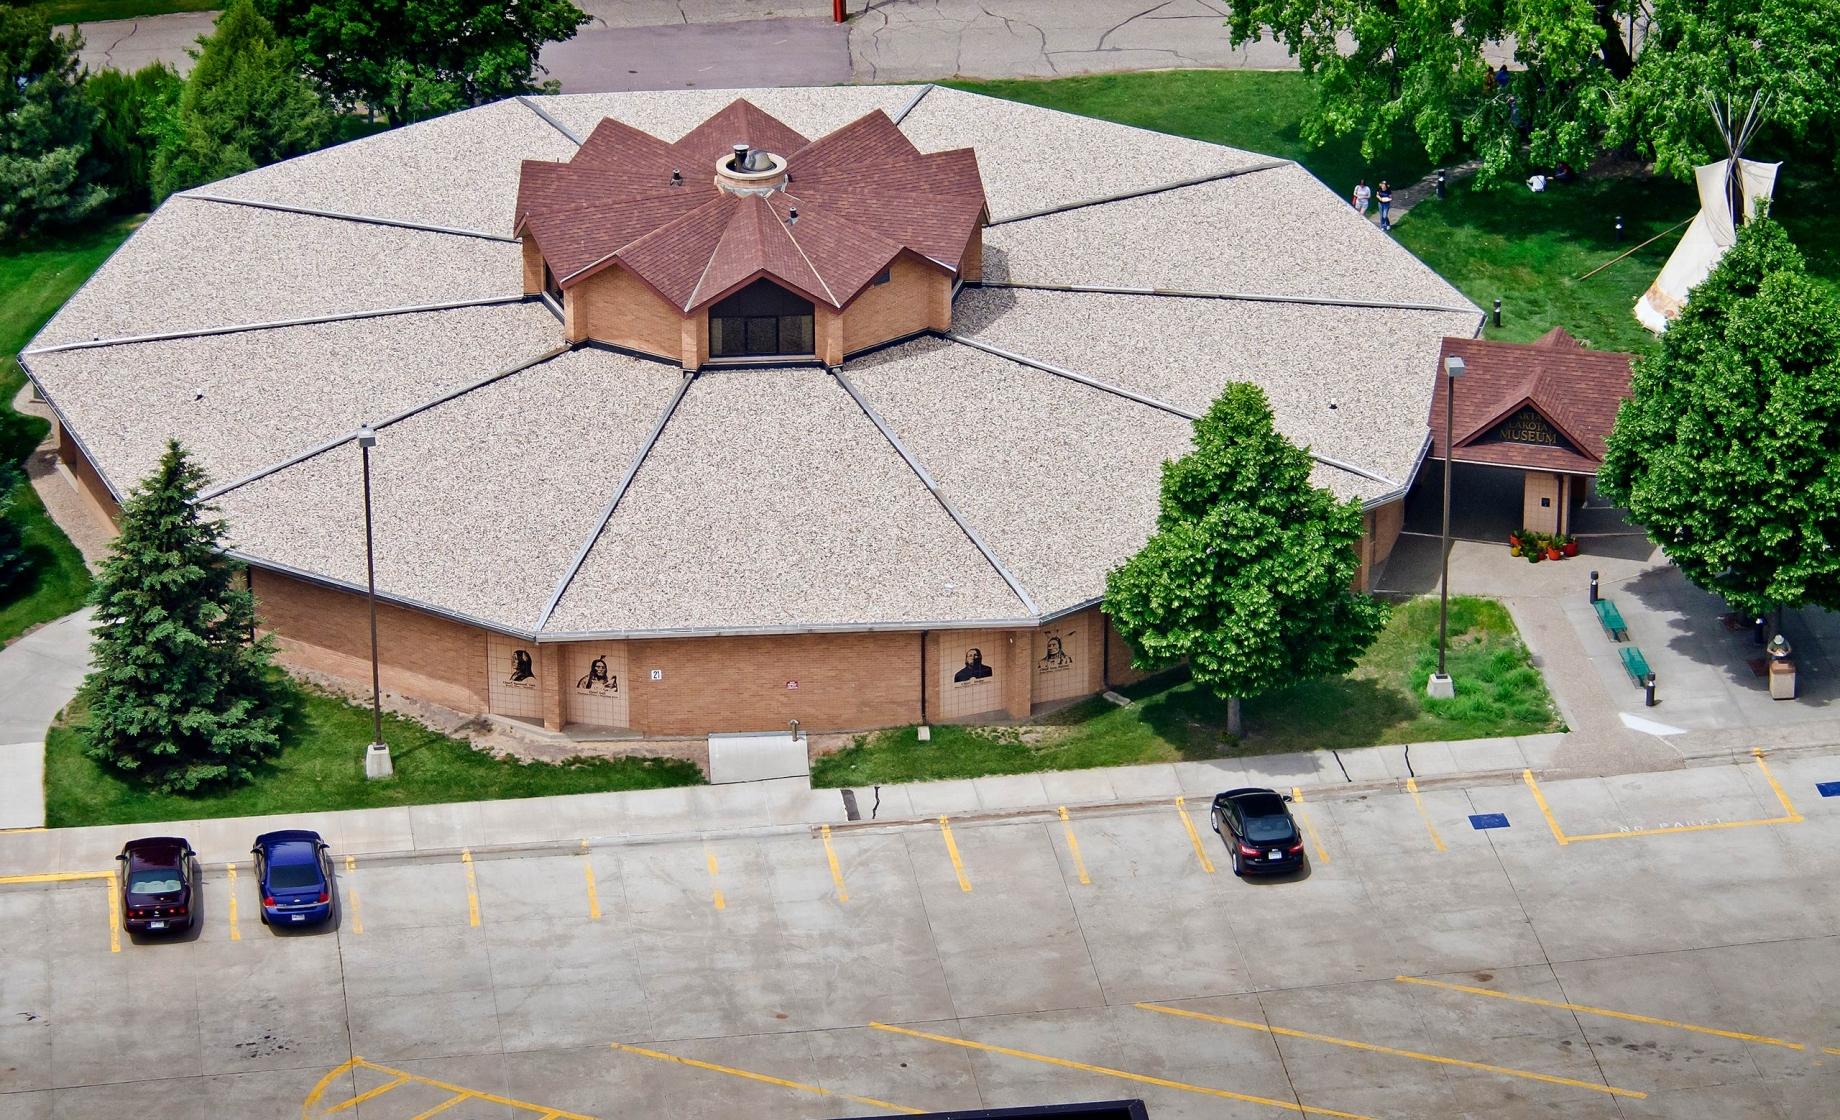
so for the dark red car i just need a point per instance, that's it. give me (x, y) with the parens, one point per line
(157, 877)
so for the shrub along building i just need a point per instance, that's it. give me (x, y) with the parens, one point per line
(698, 411)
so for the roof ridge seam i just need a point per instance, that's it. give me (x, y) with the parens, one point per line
(342, 216)
(1247, 297)
(321, 448)
(932, 487)
(613, 503)
(912, 104)
(786, 229)
(544, 114)
(1191, 181)
(277, 324)
(1152, 402)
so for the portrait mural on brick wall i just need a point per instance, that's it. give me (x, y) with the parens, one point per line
(1058, 658)
(598, 678)
(974, 670)
(523, 668)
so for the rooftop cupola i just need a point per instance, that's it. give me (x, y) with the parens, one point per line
(751, 171)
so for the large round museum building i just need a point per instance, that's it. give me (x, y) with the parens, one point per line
(704, 411)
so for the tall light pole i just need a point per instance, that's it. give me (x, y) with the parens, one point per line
(377, 756)
(1440, 686)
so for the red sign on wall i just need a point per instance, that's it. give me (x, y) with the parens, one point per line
(792, 684)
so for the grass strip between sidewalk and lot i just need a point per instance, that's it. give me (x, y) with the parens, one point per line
(1499, 693)
(321, 768)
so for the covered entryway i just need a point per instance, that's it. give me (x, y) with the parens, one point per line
(761, 320)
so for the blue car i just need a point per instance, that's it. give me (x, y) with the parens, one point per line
(294, 874)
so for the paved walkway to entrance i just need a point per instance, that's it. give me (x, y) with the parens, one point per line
(42, 672)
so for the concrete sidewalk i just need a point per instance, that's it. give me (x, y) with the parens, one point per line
(42, 671)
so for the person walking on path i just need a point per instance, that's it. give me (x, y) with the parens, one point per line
(1363, 194)
(1384, 196)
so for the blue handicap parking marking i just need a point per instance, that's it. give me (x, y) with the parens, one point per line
(1828, 789)
(1480, 821)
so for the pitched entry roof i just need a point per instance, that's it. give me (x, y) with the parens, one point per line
(1545, 405)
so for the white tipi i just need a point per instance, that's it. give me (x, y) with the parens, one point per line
(1730, 191)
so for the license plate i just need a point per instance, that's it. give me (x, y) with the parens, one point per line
(298, 917)
(1276, 854)
(156, 925)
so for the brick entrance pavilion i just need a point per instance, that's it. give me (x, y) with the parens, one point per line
(701, 411)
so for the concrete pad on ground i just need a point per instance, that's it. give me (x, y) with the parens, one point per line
(736, 55)
(1203, 779)
(756, 757)
(22, 791)
(1010, 791)
(932, 799)
(1369, 764)
(1078, 787)
(1142, 782)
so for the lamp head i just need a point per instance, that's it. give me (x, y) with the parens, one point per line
(1454, 367)
(367, 437)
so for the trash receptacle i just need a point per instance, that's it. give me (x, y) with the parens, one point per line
(1782, 669)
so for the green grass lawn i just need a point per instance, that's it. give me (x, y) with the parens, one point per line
(36, 276)
(1249, 109)
(321, 767)
(1499, 692)
(89, 11)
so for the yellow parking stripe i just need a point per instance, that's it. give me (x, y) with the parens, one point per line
(1545, 809)
(1415, 1055)
(1194, 837)
(368, 1094)
(236, 934)
(830, 854)
(399, 1078)
(472, 887)
(351, 896)
(443, 1106)
(1073, 848)
(1583, 1009)
(1107, 1071)
(594, 894)
(57, 877)
(958, 865)
(715, 891)
(114, 917)
(1412, 788)
(1789, 811)
(762, 1078)
(1322, 853)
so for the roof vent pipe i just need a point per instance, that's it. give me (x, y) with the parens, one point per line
(741, 157)
(792, 215)
(677, 177)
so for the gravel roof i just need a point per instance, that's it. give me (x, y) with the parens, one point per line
(1033, 158)
(1060, 479)
(482, 502)
(458, 171)
(811, 111)
(196, 265)
(1374, 365)
(269, 394)
(772, 500)
(1276, 232)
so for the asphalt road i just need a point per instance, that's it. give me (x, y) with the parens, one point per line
(1678, 955)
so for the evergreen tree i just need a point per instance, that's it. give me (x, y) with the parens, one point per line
(1728, 453)
(1249, 575)
(47, 177)
(179, 695)
(244, 105)
(133, 111)
(12, 548)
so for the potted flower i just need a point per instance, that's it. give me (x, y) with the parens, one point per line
(1533, 554)
(1570, 547)
(1554, 550)
(1515, 537)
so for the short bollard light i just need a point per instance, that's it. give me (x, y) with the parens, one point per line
(1593, 586)
(1440, 183)
(1619, 227)
(1648, 689)
(1498, 312)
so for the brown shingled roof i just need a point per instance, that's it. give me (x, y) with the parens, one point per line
(864, 194)
(1575, 390)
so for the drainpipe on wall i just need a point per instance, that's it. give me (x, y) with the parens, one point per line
(923, 635)
(1105, 646)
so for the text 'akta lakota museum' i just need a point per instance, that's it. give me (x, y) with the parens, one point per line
(702, 411)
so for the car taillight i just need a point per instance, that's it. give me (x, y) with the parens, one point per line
(178, 911)
(133, 913)
(268, 900)
(325, 896)
(1295, 848)
(1248, 850)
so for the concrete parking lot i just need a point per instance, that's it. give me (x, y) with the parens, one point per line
(1655, 945)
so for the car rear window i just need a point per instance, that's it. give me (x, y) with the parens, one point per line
(161, 880)
(286, 875)
(1268, 828)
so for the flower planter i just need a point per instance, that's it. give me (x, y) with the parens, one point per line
(1571, 548)
(1554, 553)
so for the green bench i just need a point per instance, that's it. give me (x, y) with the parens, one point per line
(1611, 620)
(1634, 664)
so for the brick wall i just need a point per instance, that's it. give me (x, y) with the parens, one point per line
(845, 681)
(616, 306)
(971, 265)
(91, 488)
(327, 630)
(533, 267)
(1384, 525)
(912, 300)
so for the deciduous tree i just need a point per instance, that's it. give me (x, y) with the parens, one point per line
(1249, 576)
(47, 176)
(180, 697)
(245, 104)
(133, 112)
(412, 59)
(1728, 453)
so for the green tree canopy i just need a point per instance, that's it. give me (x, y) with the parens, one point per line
(1573, 87)
(47, 177)
(245, 104)
(1249, 576)
(179, 695)
(1728, 453)
(133, 112)
(412, 59)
